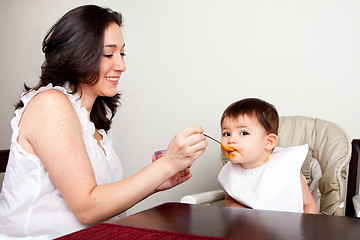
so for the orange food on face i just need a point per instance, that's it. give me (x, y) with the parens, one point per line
(229, 148)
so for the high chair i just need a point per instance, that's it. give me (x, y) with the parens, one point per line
(325, 167)
(4, 155)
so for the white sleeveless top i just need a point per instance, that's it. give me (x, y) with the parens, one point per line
(274, 185)
(30, 203)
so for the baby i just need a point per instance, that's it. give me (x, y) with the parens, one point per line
(260, 175)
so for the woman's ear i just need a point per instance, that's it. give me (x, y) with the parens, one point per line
(271, 141)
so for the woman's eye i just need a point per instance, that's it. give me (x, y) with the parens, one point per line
(111, 55)
(244, 133)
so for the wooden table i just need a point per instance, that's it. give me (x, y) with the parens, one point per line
(243, 223)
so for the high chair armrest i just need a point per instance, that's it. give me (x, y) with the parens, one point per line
(204, 197)
(356, 202)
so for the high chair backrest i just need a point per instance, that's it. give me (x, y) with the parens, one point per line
(4, 156)
(330, 145)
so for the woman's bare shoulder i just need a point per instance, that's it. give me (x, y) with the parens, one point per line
(50, 101)
(47, 114)
(51, 96)
(47, 108)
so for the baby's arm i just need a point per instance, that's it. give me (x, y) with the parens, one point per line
(308, 200)
(230, 202)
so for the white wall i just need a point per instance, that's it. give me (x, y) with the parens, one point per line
(187, 60)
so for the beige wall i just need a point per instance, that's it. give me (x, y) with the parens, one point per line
(187, 60)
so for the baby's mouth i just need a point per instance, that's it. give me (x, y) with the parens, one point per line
(229, 148)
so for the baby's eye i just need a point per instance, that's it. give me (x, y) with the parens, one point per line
(226, 134)
(244, 133)
(123, 54)
(108, 55)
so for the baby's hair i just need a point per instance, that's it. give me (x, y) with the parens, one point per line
(265, 113)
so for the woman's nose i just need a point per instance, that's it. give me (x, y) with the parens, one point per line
(120, 64)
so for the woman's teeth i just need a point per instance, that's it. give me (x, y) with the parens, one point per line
(113, 79)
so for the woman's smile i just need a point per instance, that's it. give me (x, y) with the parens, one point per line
(112, 79)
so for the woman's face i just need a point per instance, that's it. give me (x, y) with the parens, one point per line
(112, 63)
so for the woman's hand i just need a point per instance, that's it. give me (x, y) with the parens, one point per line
(177, 179)
(185, 148)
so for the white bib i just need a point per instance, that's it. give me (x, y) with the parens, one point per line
(274, 185)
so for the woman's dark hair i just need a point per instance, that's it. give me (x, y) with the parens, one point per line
(265, 113)
(73, 48)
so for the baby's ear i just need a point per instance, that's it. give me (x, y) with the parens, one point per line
(271, 141)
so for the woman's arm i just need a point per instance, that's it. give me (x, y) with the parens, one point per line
(51, 130)
(308, 200)
(230, 202)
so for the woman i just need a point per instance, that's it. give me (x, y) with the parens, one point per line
(63, 174)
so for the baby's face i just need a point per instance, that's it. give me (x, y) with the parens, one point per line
(245, 134)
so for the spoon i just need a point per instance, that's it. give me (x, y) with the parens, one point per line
(226, 148)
